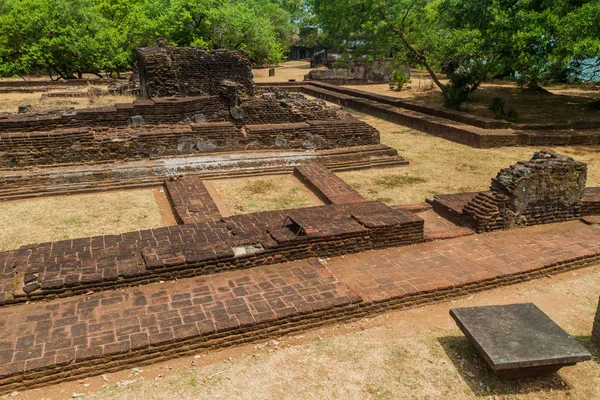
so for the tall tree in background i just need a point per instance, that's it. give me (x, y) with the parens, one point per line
(69, 37)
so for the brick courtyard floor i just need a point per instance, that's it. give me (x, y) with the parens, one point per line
(68, 338)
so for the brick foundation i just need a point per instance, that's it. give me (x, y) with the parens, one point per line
(31, 182)
(68, 339)
(73, 267)
(453, 125)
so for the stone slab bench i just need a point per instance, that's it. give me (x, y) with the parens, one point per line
(518, 340)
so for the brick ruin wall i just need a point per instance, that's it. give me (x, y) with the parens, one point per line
(548, 188)
(207, 244)
(165, 70)
(272, 120)
(358, 73)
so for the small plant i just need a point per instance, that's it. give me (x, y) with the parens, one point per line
(462, 82)
(399, 80)
(497, 108)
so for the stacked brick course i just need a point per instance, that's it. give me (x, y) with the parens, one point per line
(165, 70)
(206, 246)
(548, 188)
(330, 188)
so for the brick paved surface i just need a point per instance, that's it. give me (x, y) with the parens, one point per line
(61, 335)
(85, 335)
(191, 201)
(327, 185)
(386, 274)
(74, 266)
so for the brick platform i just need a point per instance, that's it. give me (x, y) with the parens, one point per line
(68, 339)
(329, 188)
(470, 262)
(72, 267)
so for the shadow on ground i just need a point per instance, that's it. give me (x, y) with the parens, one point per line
(586, 341)
(482, 380)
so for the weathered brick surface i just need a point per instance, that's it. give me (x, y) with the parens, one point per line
(72, 337)
(66, 339)
(16, 184)
(103, 262)
(327, 185)
(590, 201)
(548, 188)
(472, 261)
(191, 201)
(165, 70)
(596, 327)
(76, 145)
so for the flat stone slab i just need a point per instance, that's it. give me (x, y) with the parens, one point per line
(518, 340)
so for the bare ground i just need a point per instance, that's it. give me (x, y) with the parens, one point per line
(68, 217)
(408, 354)
(264, 193)
(440, 166)
(9, 102)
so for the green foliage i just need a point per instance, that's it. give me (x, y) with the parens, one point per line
(497, 107)
(462, 82)
(66, 37)
(398, 80)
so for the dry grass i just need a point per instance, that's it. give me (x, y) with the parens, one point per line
(288, 70)
(440, 166)
(248, 195)
(566, 103)
(415, 354)
(9, 102)
(67, 217)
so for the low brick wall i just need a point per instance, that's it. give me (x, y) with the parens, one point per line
(326, 185)
(75, 266)
(156, 111)
(453, 125)
(191, 202)
(31, 182)
(19, 150)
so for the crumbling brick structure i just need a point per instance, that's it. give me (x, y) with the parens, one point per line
(548, 188)
(165, 70)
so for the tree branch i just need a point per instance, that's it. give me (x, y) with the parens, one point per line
(422, 59)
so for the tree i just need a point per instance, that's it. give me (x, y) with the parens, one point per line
(61, 37)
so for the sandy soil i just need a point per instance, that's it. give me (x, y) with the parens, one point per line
(68, 217)
(262, 193)
(409, 354)
(9, 102)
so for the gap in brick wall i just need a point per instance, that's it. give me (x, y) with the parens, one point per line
(237, 196)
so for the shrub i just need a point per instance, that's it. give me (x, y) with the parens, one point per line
(399, 80)
(497, 108)
(462, 82)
